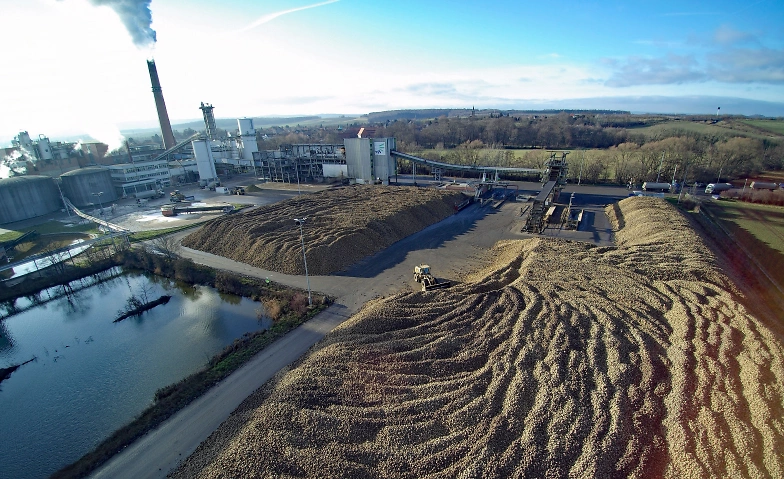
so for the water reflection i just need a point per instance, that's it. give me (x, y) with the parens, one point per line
(90, 367)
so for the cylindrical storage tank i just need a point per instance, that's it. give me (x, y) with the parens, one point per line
(88, 186)
(44, 148)
(25, 197)
(762, 185)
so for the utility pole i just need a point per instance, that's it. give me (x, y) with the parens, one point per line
(582, 162)
(300, 222)
(661, 162)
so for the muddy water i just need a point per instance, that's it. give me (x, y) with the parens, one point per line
(90, 375)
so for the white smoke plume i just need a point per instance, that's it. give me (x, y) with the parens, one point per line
(137, 18)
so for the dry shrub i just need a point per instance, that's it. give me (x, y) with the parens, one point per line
(272, 307)
(298, 303)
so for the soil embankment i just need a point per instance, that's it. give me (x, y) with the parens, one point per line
(343, 226)
(559, 359)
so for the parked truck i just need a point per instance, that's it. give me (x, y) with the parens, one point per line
(652, 186)
(222, 190)
(148, 194)
(717, 187)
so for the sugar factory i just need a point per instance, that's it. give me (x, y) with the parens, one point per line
(47, 175)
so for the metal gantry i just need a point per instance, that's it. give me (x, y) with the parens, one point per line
(553, 179)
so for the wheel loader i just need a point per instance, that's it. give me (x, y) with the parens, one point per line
(429, 282)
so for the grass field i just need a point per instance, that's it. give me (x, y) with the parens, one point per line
(759, 229)
(721, 129)
(50, 227)
(774, 126)
(764, 222)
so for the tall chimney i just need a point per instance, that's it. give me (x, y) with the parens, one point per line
(163, 116)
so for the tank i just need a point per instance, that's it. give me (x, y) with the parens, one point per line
(89, 186)
(762, 185)
(717, 187)
(25, 197)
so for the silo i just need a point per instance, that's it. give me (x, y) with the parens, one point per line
(202, 150)
(25, 197)
(88, 186)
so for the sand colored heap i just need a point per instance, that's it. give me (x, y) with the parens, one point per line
(344, 225)
(561, 359)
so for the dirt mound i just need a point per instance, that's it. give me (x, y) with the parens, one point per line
(344, 225)
(561, 359)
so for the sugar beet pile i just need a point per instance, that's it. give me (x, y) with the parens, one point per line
(343, 226)
(560, 359)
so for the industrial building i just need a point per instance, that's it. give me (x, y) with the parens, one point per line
(130, 179)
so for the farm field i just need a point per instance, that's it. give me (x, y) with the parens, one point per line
(759, 229)
(555, 359)
(774, 126)
(763, 222)
(723, 128)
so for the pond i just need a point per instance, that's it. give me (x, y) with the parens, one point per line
(88, 375)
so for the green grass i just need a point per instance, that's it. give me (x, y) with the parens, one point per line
(763, 222)
(51, 227)
(773, 126)
(151, 234)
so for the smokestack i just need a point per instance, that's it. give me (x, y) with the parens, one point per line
(163, 116)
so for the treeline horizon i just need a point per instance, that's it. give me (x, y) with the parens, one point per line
(625, 152)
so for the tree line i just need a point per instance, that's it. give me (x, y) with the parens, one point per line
(605, 148)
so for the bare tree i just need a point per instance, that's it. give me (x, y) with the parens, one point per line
(167, 246)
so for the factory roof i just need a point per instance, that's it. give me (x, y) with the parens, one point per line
(24, 179)
(84, 171)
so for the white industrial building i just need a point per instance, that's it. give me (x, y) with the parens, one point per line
(132, 178)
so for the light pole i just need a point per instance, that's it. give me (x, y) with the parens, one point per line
(99, 199)
(300, 222)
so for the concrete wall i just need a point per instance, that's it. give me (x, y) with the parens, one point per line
(25, 197)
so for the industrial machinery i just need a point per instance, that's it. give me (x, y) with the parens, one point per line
(237, 190)
(429, 282)
(177, 197)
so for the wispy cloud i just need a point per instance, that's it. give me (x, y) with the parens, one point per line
(726, 35)
(272, 16)
(673, 69)
(691, 14)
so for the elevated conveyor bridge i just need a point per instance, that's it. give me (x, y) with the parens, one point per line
(438, 166)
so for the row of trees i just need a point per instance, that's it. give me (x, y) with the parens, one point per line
(675, 158)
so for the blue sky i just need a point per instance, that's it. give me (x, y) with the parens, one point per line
(71, 66)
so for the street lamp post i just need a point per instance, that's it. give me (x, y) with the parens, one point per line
(99, 199)
(300, 222)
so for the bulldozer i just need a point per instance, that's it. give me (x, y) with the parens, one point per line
(429, 282)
